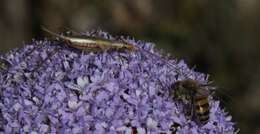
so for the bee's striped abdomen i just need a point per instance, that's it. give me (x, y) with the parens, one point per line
(202, 109)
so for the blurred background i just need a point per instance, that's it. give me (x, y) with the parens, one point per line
(219, 37)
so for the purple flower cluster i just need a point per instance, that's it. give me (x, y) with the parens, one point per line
(51, 88)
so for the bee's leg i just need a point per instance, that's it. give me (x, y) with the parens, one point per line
(192, 107)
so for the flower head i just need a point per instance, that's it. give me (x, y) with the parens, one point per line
(51, 88)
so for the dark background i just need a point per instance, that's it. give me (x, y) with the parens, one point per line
(219, 37)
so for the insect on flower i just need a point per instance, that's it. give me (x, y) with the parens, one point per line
(194, 96)
(87, 43)
(107, 103)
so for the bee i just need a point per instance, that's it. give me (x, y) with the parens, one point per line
(87, 43)
(194, 96)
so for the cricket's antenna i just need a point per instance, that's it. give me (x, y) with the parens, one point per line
(52, 33)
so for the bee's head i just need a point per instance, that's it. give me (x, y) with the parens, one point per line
(178, 91)
(190, 84)
(184, 88)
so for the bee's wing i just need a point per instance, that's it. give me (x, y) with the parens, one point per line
(219, 93)
(219, 90)
(202, 92)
